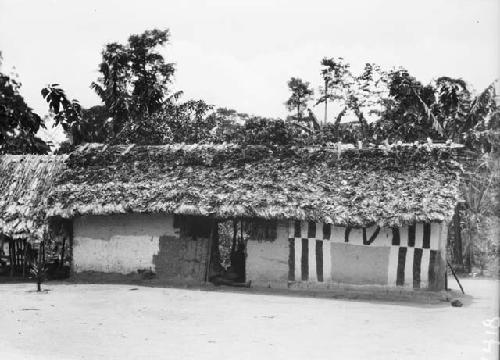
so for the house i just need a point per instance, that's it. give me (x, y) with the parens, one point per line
(25, 183)
(308, 217)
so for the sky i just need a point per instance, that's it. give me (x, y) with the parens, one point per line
(240, 53)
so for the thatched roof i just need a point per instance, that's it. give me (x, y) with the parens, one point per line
(387, 186)
(25, 182)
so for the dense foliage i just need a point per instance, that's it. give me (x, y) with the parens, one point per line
(18, 123)
(301, 95)
(138, 106)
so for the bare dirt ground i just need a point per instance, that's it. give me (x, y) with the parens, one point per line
(85, 321)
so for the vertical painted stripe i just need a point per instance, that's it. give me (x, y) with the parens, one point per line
(424, 269)
(426, 242)
(298, 258)
(419, 235)
(291, 259)
(304, 261)
(319, 260)
(409, 268)
(346, 234)
(312, 259)
(400, 279)
(395, 236)
(327, 261)
(432, 268)
(327, 231)
(411, 235)
(297, 232)
(417, 260)
(311, 230)
(392, 269)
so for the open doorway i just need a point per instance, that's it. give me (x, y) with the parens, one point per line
(229, 254)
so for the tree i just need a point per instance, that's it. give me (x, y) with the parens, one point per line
(337, 79)
(18, 123)
(300, 97)
(360, 94)
(265, 131)
(112, 85)
(134, 77)
(150, 73)
(480, 189)
(452, 101)
(66, 112)
(407, 113)
(188, 122)
(132, 86)
(443, 110)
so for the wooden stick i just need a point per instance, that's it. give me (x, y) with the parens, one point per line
(455, 276)
(11, 253)
(25, 254)
(210, 244)
(61, 263)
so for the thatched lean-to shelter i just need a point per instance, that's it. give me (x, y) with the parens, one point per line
(25, 183)
(385, 187)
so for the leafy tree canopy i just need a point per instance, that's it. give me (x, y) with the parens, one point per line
(18, 123)
(442, 110)
(133, 86)
(360, 94)
(301, 95)
(134, 77)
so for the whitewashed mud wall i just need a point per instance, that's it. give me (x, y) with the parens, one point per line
(408, 256)
(118, 243)
(267, 260)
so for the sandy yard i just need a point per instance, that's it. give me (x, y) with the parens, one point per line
(82, 321)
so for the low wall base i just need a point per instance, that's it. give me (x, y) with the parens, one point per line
(329, 291)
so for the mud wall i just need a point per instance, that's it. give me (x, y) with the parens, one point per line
(127, 243)
(315, 253)
(267, 260)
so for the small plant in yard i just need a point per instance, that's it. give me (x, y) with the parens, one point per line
(39, 272)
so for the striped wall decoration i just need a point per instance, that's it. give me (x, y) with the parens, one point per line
(411, 253)
(412, 267)
(309, 260)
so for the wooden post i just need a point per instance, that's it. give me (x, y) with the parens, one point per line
(210, 244)
(235, 235)
(16, 257)
(25, 254)
(245, 251)
(457, 244)
(12, 257)
(456, 278)
(70, 230)
(61, 263)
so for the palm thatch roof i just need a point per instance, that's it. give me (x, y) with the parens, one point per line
(385, 186)
(25, 182)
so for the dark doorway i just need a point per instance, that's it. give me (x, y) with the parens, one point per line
(229, 255)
